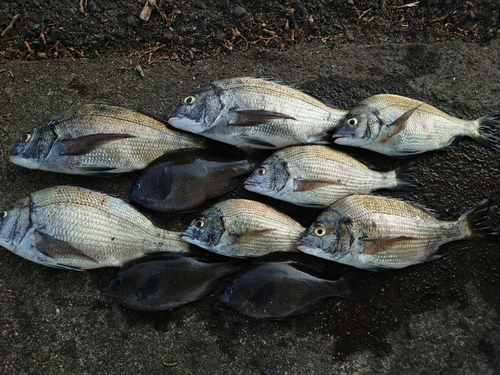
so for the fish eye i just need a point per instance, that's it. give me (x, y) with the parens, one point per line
(3, 215)
(261, 171)
(26, 137)
(229, 290)
(190, 100)
(116, 282)
(199, 223)
(137, 186)
(320, 230)
(353, 121)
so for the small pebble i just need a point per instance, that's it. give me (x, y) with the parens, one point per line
(238, 11)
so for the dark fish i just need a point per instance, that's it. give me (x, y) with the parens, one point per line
(282, 285)
(182, 180)
(99, 140)
(164, 281)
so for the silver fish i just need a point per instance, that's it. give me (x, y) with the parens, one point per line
(374, 232)
(94, 139)
(395, 125)
(76, 228)
(243, 228)
(317, 176)
(256, 114)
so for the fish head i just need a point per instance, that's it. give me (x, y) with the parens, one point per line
(269, 178)
(360, 127)
(33, 148)
(237, 294)
(153, 187)
(15, 222)
(120, 288)
(326, 237)
(207, 230)
(197, 112)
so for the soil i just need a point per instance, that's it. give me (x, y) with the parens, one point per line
(191, 31)
(439, 317)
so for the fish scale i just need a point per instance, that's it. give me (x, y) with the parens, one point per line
(376, 232)
(395, 125)
(250, 229)
(83, 229)
(317, 176)
(255, 114)
(139, 140)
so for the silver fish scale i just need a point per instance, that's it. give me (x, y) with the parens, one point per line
(385, 218)
(426, 128)
(321, 163)
(103, 227)
(151, 138)
(251, 93)
(243, 216)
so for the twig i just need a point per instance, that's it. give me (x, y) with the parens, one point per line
(83, 5)
(364, 13)
(409, 5)
(147, 10)
(440, 18)
(11, 25)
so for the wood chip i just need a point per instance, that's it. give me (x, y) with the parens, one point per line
(147, 10)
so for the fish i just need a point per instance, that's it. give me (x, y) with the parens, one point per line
(394, 125)
(182, 180)
(75, 228)
(256, 114)
(164, 281)
(243, 228)
(317, 176)
(377, 233)
(278, 286)
(99, 140)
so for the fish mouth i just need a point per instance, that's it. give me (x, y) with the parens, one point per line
(250, 185)
(301, 245)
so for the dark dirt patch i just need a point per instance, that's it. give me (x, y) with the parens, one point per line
(194, 30)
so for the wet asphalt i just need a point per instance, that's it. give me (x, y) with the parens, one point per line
(439, 317)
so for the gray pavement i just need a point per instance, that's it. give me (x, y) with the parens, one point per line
(442, 317)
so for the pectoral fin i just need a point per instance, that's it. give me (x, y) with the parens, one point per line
(165, 183)
(263, 295)
(148, 287)
(258, 117)
(58, 249)
(379, 245)
(305, 185)
(399, 124)
(87, 143)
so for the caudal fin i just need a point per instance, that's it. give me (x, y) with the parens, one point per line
(476, 221)
(350, 287)
(405, 178)
(489, 131)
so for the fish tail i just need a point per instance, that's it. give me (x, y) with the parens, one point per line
(489, 131)
(405, 179)
(350, 287)
(475, 220)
